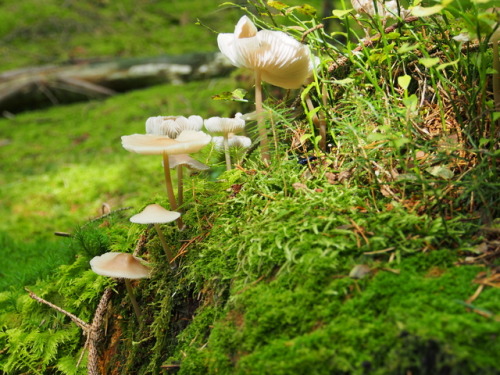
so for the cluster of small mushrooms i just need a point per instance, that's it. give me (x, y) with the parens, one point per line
(275, 57)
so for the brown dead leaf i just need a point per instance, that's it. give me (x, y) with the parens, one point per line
(299, 186)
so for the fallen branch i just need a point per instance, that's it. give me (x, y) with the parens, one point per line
(36, 87)
(92, 331)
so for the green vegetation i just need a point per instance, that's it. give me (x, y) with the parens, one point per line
(370, 250)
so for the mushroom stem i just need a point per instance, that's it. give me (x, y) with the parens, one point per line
(170, 189)
(180, 186)
(130, 292)
(226, 151)
(163, 241)
(264, 142)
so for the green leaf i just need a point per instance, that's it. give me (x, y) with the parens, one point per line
(305, 9)
(419, 11)
(495, 116)
(406, 47)
(411, 102)
(339, 13)
(305, 137)
(277, 5)
(343, 82)
(429, 62)
(441, 172)
(400, 142)
(404, 81)
(445, 65)
(393, 35)
(237, 95)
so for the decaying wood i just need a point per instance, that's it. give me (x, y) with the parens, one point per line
(36, 87)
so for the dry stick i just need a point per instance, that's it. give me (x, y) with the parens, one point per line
(80, 323)
(170, 190)
(94, 333)
(91, 330)
(264, 142)
(343, 60)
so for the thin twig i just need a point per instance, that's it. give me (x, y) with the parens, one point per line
(369, 42)
(80, 323)
(106, 215)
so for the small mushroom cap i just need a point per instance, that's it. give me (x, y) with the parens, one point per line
(187, 142)
(238, 141)
(225, 125)
(188, 161)
(155, 214)
(282, 60)
(172, 126)
(119, 265)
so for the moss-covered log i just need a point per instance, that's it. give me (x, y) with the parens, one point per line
(37, 87)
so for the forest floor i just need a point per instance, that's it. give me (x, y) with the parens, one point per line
(376, 256)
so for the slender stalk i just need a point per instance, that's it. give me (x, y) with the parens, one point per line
(180, 186)
(264, 142)
(130, 292)
(170, 189)
(226, 151)
(163, 241)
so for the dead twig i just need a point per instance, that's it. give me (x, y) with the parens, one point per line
(92, 331)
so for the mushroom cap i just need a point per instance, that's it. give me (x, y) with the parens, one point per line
(172, 126)
(282, 60)
(225, 125)
(187, 142)
(155, 214)
(119, 265)
(188, 161)
(239, 141)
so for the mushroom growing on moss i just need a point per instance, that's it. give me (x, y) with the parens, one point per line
(156, 215)
(172, 126)
(189, 141)
(122, 266)
(225, 126)
(178, 162)
(275, 57)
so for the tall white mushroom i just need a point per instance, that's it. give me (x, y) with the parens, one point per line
(172, 126)
(225, 126)
(275, 57)
(189, 141)
(156, 215)
(122, 266)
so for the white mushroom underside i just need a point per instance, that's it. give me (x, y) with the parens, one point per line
(155, 214)
(281, 60)
(189, 141)
(119, 265)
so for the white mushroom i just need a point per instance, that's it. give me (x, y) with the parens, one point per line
(225, 126)
(275, 57)
(172, 126)
(189, 141)
(122, 266)
(156, 214)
